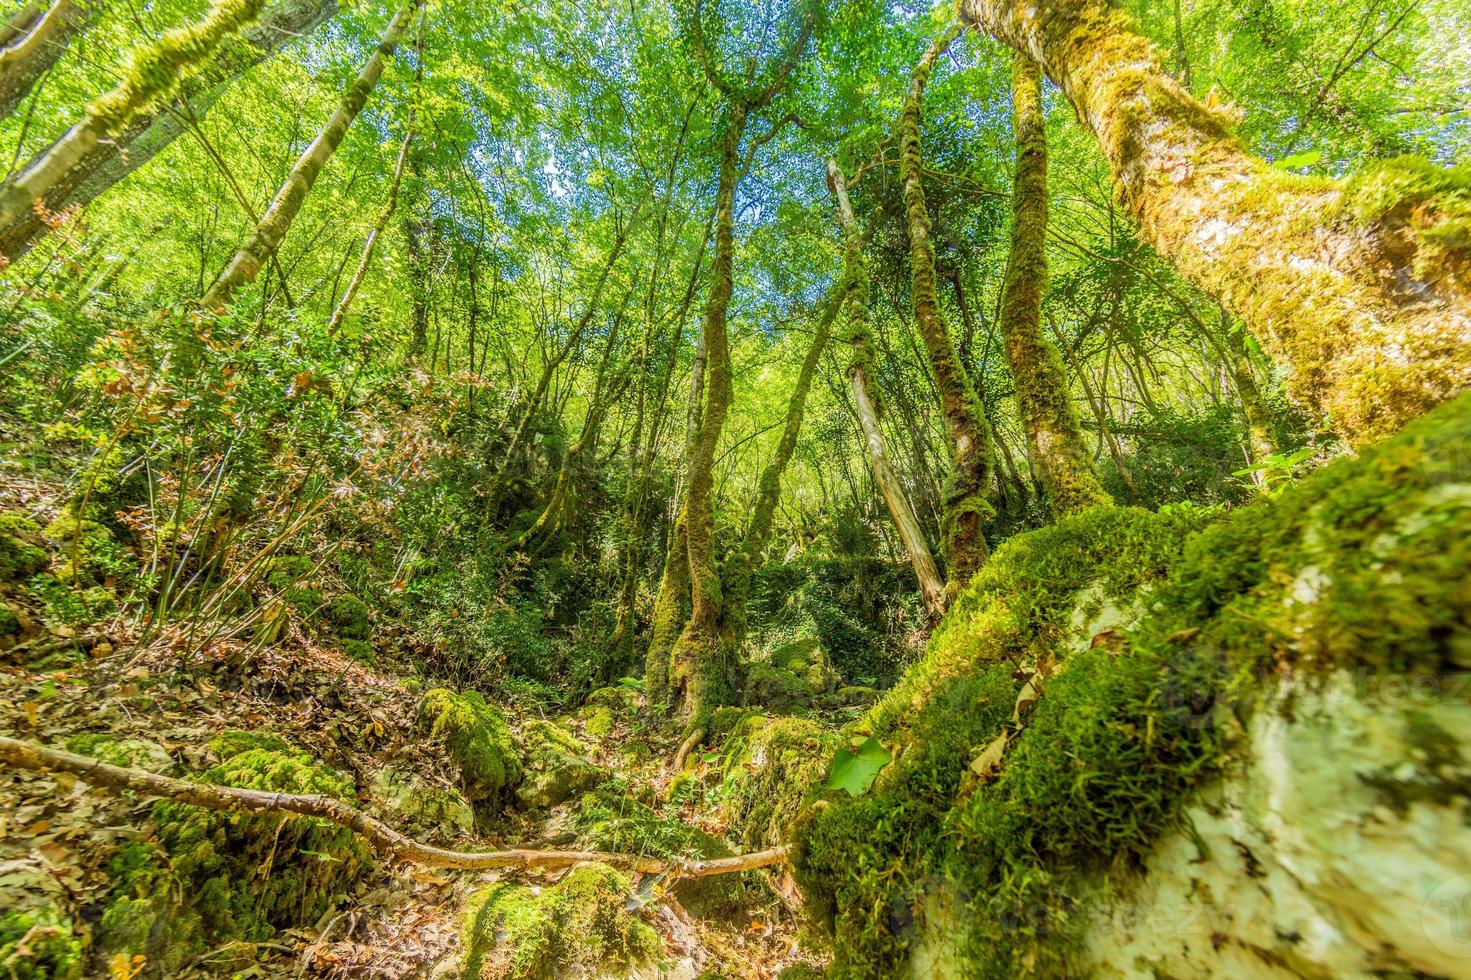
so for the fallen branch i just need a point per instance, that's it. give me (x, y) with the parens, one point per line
(686, 747)
(382, 838)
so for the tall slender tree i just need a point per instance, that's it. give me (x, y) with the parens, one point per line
(967, 508)
(271, 231)
(1054, 437)
(869, 406)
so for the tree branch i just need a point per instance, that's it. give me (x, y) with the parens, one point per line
(382, 838)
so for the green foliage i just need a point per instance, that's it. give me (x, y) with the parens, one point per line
(40, 945)
(854, 771)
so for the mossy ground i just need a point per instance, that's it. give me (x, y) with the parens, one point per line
(39, 944)
(579, 927)
(1364, 565)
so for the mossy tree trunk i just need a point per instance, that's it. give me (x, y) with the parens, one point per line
(702, 667)
(274, 224)
(1054, 437)
(966, 507)
(151, 75)
(859, 332)
(1261, 427)
(1347, 283)
(155, 126)
(32, 42)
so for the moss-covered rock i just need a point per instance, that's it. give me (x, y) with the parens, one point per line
(597, 721)
(607, 821)
(134, 753)
(39, 939)
(479, 741)
(21, 551)
(773, 688)
(1362, 567)
(579, 927)
(416, 807)
(556, 766)
(84, 548)
(202, 881)
(770, 767)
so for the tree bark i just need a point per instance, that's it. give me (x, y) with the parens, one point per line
(966, 507)
(339, 312)
(271, 231)
(151, 74)
(1344, 282)
(25, 58)
(860, 339)
(1054, 437)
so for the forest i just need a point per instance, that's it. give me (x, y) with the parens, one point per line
(733, 489)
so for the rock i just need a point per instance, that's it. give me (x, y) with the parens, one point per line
(21, 551)
(478, 739)
(414, 806)
(556, 766)
(793, 676)
(579, 927)
(1340, 848)
(597, 721)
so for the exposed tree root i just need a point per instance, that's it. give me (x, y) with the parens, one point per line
(382, 838)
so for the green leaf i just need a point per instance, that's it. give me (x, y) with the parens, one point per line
(856, 771)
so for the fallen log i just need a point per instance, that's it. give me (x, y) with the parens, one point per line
(379, 836)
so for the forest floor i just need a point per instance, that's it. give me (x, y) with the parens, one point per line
(398, 922)
(176, 692)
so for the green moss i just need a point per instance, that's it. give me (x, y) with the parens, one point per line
(478, 740)
(598, 721)
(39, 944)
(610, 822)
(555, 765)
(9, 625)
(215, 875)
(1364, 565)
(85, 548)
(578, 927)
(770, 767)
(774, 688)
(800, 971)
(133, 753)
(21, 555)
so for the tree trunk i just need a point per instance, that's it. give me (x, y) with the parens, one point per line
(860, 338)
(1261, 429)
(41, 42)
(1347, 283)
(369, 243)
(271, 231)
(966, 506)
(152, 74)
(154, 127)
(1054, 437)
(700, 667)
